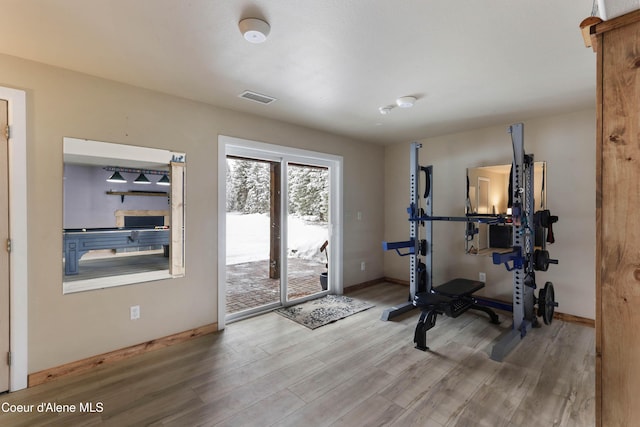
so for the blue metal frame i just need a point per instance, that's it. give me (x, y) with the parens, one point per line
(519, 260)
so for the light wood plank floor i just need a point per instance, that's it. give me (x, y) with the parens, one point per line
(359, 371)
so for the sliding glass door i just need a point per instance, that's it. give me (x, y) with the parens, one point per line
(278, 216)
(307, 230)
(253, 276)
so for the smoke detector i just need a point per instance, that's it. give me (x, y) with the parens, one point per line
(406, 101)
(254, 30)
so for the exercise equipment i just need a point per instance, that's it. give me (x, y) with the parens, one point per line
(453, 299)
(541, 260)
(546, 303)
(456, 297)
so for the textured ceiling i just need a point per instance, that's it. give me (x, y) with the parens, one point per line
(330, 63)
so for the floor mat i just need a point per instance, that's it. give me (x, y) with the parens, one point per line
(322, 311)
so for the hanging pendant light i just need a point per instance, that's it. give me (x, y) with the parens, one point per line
(142, 179)
(164, 180)
(116, 177)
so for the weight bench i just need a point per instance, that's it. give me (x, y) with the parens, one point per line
(452, 298)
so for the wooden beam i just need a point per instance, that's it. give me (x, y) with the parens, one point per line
(599, 236)
(617, 234)
(177, 219)
(587, 27)
(618, 22)
(275, 217)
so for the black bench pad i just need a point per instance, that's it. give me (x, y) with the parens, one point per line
(459, 287)
(427, 300)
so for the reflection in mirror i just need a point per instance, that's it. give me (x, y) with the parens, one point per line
(123, 214)
(488, 193)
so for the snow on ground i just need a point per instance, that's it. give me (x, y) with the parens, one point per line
(248, 238)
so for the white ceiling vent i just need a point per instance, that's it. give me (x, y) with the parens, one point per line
(257, 97)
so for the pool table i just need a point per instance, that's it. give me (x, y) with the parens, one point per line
(78, 241)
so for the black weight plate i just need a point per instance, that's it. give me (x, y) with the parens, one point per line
(541, 260)
(541, 302)
(549, 303)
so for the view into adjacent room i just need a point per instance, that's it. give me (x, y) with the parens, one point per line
(123, 214)
(260, 273)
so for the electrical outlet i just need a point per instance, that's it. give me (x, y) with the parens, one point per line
(483, 277)
(359, 215)
(134, 310)
(363, 266)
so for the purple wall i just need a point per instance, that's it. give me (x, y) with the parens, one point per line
(86, 204)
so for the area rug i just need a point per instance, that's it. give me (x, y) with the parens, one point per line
(322, 311)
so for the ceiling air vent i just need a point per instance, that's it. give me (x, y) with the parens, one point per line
(256, 97)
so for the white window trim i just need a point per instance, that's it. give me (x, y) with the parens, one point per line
(261, 150)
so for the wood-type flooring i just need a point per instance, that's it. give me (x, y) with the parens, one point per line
(359, 371)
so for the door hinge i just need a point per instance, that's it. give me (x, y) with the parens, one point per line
(9, 245)
(9, 358)
(7, 132)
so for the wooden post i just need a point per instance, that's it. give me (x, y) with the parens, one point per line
(617, 232)
(177, 219)
(275, 216)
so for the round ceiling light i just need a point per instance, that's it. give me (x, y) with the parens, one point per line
(406, 101)
(254, 30)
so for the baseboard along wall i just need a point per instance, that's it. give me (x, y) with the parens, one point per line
(89, 363)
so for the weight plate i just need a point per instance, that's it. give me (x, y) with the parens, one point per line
(541, 260)
(549, 303)
(541, 305)
(546, 303)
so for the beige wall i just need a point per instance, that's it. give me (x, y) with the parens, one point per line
(65, 328)
(566, 143)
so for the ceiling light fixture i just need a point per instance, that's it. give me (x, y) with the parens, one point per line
(116, 177)
(406, 101)
(254, 30)
(142, 179)
(164, 180)
(385, 110)
(142, 175)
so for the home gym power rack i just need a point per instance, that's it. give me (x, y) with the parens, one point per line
(455, 297)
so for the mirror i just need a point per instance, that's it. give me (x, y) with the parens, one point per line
(123, 214)
(488, 193)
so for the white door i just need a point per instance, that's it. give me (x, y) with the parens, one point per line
(4, 253)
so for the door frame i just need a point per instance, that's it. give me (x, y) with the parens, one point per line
(483, 229)
(262, 150)
(18, 260)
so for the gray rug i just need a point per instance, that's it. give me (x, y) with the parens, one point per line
(322, 311)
